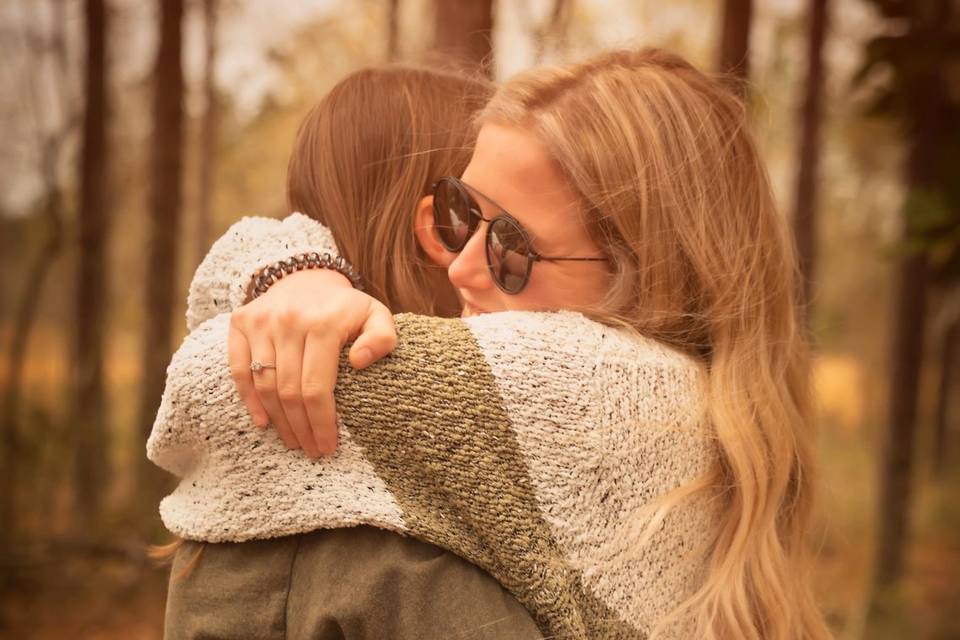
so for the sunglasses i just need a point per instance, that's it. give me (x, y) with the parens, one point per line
(510, 254)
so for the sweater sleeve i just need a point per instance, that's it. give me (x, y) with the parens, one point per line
(220, 282)
(531, 444)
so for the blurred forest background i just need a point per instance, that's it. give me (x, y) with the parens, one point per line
(135, 132)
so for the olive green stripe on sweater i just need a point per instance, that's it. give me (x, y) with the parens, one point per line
(466, 487)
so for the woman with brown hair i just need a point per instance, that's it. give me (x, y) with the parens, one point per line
(361, 162)
(637, 464)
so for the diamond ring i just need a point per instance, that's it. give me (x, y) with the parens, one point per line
(256, 365)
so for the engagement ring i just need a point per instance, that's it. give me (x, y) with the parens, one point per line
(256, 365)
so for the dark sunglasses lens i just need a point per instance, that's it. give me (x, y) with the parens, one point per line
(508, 254)
(451, 214)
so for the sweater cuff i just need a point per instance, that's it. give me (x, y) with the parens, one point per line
(221, 282)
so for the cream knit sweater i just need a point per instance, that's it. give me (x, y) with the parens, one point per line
(531, 444)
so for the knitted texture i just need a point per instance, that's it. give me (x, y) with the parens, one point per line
(220, 282)
(534, 445)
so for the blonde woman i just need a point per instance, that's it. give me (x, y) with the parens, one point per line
(642, 473)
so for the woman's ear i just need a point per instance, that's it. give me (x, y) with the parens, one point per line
(427, 236)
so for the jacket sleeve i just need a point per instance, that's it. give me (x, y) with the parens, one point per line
(220, 282)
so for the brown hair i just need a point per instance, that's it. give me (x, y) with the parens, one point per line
(365, 156)
(678, 196)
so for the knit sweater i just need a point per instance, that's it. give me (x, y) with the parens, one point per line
(533, 445)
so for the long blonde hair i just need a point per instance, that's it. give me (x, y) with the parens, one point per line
(677, 194)
(363, 158)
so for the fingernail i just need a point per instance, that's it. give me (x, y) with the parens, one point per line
(330, 448)
(364, 357)
(325, 446)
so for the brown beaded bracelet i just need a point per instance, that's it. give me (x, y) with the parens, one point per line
(266, 276)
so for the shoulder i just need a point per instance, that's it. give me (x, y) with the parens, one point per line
(643, 378)
(511, 343)
(580, 366)
(561, 340)
(612, 359)
(559, 332)
(221, 280)
(201, 362)
(256, 227)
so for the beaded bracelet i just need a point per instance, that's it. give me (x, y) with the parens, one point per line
(268, 275)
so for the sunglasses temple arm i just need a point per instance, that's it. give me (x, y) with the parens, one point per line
(539, 257)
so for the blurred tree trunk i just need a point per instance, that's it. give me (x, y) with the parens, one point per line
(805, 201)
(463, 31)
(209, 133)
(734, 54)
(926, 104)
(393, 30)
(51, 146)
(910, 314)
(949, 356)
(35, 277)
(93, 226)
(164, 205)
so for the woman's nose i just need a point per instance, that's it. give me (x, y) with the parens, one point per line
(469, 269)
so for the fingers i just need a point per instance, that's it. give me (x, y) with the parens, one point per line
(378, 337)
(304, 343)
(321, 355)
(238, 351)
(289, 348)
(265, 384)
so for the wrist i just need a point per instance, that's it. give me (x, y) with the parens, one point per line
(317, 279)
(269, 275)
